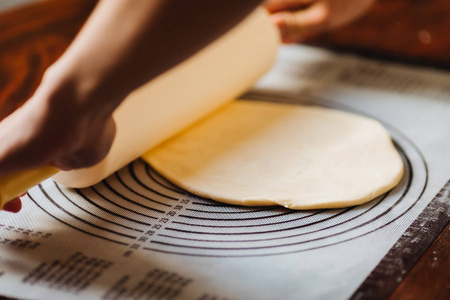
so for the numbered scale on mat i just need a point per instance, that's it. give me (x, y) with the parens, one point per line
(135, 235)
(138, 206)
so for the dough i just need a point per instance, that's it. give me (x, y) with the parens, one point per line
(301, 157)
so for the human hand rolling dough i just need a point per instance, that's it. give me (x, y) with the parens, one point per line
(124, 44)
(68, 121)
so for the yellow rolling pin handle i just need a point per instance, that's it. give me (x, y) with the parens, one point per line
(15, 184)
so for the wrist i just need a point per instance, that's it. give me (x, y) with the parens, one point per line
(66, 87)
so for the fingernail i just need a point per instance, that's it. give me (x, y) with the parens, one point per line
(13, 206)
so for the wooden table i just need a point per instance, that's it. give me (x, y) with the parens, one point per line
(34, 36)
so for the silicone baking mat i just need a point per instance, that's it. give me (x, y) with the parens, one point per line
(137, 236)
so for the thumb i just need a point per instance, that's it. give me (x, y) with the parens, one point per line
(297, 25)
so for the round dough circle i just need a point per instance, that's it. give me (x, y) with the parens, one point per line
(301, 157)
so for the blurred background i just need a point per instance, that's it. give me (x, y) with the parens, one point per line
(414, 31)
(411, 31)
(5, 4)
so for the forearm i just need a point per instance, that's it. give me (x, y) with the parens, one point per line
(127, 43)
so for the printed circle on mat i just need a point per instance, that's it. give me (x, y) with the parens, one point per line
(137, 202)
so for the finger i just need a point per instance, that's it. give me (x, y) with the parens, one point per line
(297, 25)
(276, 5)
(13, 138)
(21, 147)
(95, 147)
(13, 206)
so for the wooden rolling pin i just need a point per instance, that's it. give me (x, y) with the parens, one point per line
(171, 102)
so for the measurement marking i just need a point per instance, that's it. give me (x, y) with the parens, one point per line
(296, 251)
(235, 212)
(147, 171)
(284, 237)
(76, 228)
(404, 208)
(139, 194)
(130, 169)
(78, 191)
(88, 212)
(410, 177)
(240, 219)
(211, 204)
(108, 186)
(282, 222)
(336, 243)
(81, 220)
(125, 208)
(127, 199)
(253, 225)
(256, 232)
(286, 252)
(390, 208)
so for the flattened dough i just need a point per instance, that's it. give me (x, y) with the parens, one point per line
(301, 157)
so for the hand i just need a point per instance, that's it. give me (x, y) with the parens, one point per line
(299, 19)
(56, 128)
(68, 122)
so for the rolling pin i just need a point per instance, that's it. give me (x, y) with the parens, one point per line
(171, 102)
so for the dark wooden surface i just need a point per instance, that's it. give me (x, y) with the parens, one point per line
(413, 31)
(430, 278)
(34, 36)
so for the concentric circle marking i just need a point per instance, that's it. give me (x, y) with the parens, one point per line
(137, 201)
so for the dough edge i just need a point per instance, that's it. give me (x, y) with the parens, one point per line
(290, 203)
